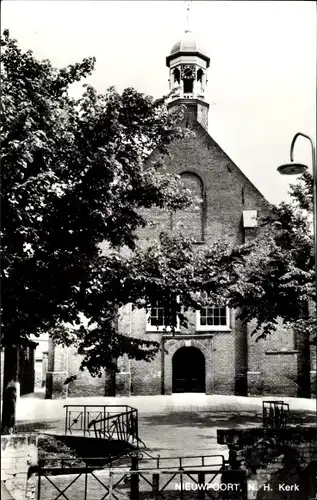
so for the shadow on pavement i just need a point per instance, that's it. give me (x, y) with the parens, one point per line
(182, 418)
(47, 425)
(223, 419)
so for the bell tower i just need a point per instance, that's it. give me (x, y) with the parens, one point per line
(188, 64)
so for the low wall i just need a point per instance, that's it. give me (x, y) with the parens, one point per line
(279, 464)
(18, 453)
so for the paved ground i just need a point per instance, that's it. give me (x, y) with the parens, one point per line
(171, 426)
(181, 424)
(35, 406)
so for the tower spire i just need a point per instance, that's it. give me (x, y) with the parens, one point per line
(188, 64)
(188, 5)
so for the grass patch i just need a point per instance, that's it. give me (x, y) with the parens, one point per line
(54, 453)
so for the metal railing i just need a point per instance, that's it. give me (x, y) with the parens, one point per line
(139, 460)
(275, 414)
(180, 94)
(135, 482)
(148, 462)
(111, 422)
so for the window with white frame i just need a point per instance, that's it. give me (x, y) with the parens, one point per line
(213, 318)
(161, 315)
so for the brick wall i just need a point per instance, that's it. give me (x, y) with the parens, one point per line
(228, 191)
(155, 377)
(64, 363)
(145, 377)
(18, 453)
(273, 364)
(237, 364)
(57, 371)
(85, 384)
(272, 458)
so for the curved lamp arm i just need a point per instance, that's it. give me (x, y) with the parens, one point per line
(300, 134)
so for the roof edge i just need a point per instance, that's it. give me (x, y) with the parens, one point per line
(184, 53)
(208, 136)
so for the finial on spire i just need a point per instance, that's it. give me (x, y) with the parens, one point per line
(188, 5)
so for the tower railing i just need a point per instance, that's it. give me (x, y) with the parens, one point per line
(180, 94)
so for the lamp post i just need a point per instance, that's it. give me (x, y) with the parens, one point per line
(298, 168)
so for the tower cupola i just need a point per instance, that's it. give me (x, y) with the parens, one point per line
(188, 44)
(188, 64)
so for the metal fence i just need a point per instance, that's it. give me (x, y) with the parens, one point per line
(126, 484)
(108, 422)
(275, 414)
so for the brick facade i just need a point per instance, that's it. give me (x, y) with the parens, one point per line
(234, 362)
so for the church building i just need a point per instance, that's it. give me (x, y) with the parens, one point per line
(216, 353)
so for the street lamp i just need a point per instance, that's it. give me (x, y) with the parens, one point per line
(298, 168)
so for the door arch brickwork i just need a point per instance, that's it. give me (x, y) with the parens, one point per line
(171, 346)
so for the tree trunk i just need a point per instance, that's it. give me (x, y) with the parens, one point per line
(10, 388)
(110, 377)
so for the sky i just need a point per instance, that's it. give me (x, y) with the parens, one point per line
(261, 80)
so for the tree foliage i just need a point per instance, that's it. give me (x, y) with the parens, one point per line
(74, 176)
(274, 275)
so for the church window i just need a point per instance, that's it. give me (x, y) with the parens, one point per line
(190, 221)
(213, 318)
(162, 316)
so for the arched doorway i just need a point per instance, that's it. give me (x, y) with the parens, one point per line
(189, 370)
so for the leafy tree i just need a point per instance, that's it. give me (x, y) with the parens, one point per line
(270, 280)
(273, 276)
(73, 177)
(78, 177)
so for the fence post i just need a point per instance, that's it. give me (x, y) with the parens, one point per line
(110, 485)
(156, 486)
(134, 479)
(86, 484)
(66, 419)
(201, 481)
(182, 486)
(39, 483)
